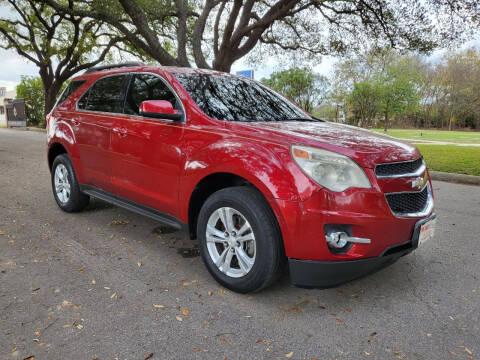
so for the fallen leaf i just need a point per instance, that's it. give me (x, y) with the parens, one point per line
(31, 357)
(289, 308)
(179, 318)
(41, 344)
(113, 295)
(93, 282)
(80, 326)
(223, 340)
(209, 293)
(106, 288)
(139, 264)
(467, 350)
(289, 355)
(158, 306)
(185, 312)
(197, 349)
(117, 222)
(148, 356)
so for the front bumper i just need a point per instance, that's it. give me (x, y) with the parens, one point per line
(325, 274)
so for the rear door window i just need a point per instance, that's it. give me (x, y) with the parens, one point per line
(106, 95)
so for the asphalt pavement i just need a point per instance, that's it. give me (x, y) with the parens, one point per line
(110, 284)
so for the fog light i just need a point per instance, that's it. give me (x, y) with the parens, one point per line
(339, 239)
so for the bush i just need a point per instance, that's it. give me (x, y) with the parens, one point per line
(31, 89)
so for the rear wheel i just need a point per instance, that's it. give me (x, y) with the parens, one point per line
(240, 241)
(65, 186)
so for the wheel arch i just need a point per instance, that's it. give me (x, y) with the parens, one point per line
(210, 184)
(54, 150)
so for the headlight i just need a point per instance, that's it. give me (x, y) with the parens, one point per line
(334, 171)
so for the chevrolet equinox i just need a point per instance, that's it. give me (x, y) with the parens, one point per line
(256, 180)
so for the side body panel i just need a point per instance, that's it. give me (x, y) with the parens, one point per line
(146, 161)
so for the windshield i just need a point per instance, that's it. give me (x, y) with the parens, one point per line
(237, 99)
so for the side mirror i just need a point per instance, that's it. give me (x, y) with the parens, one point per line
(159, 109)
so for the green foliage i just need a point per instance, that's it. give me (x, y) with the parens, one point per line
(31, 89)
(300, 85)
(365, 100)
(398, 85)
(412, 92)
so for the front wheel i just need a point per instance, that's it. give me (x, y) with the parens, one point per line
(240, 241)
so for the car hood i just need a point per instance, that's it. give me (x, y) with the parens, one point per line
(366, 147)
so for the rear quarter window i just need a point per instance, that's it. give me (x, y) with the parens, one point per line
(71, 88)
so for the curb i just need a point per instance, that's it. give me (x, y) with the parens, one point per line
(27, 128)
(455, 178)
(30, 128)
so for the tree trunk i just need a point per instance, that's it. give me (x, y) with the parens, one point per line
(450, 119)
(50, 98)
(386, 120)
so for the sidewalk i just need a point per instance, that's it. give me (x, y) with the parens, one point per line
(433, 142)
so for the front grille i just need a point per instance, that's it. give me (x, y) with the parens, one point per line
(399, 168)
(408, 202)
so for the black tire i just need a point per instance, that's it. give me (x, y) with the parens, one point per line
(269, 254)
(77, 201)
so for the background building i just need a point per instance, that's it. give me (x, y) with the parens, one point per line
(6, 97)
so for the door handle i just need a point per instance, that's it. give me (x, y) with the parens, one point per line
(120, 131)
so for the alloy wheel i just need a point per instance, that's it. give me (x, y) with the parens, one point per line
(231, 242)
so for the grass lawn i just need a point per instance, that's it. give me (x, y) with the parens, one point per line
(465, 137)
(452, 158)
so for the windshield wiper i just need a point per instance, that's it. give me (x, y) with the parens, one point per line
(302, 119)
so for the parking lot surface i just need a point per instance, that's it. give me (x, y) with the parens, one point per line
(108, 284)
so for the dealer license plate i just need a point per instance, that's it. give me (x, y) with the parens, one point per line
(427, 231)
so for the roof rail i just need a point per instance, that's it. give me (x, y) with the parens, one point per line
(112, 66)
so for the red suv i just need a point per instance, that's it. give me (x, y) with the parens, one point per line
(255, 179)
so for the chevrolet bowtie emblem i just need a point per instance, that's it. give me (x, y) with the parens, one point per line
(419, 182)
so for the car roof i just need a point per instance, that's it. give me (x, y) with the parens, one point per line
(133, 67)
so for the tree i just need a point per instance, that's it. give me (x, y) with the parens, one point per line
(216, 33)
(60, 45)
(300, 85)
(398, 88)
(461, 86)
(365, 101)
